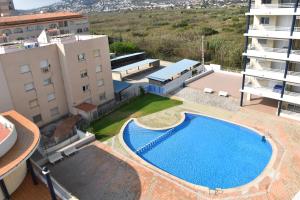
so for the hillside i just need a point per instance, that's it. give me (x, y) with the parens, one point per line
(176, 34)
(117, 5)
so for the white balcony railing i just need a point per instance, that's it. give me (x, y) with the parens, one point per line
(253, 67)
(273, 28)
(270, 6)
(275, 50)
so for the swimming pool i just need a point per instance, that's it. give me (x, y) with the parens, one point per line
(202, 150)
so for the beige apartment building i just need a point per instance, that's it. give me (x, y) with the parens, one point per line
(57, 75)
(6, 7)
(25, 27)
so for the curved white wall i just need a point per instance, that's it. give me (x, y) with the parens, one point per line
(11, 139)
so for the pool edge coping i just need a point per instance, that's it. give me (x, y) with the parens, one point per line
(267, 172)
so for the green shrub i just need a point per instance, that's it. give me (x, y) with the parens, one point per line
(123, 47)
(208, 31)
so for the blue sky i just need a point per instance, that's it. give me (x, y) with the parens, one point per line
(28, 4)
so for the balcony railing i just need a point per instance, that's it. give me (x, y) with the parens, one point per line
(253, 67)
(273, 28)
(290, 93)
(275, 50)
(280, 5)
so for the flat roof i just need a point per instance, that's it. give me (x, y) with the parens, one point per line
(27, 142)
(41, 17)
(119, 86)
(127, 56)
(135, 65)
(172, 70)
(86, 107)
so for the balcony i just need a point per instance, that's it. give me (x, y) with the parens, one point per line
(272, 73)
(291, 97)
(291, 112)
(267, 92)
(273, 32)
(273, 53)
(264, 72)
(286, 8)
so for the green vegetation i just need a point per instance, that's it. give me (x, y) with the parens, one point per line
(176, 34)
(111, 124)
(123, 47)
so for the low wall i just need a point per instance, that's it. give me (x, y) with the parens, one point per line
(194, 78)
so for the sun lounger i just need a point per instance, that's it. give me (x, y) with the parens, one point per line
(208, 90)
(223, 94)
(55, 157)
(70, 151)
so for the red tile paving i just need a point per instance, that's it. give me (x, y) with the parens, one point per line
(219, 81)
(29, 191)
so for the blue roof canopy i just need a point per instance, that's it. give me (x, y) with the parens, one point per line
(135, 65)
(172, 70)
(119, 86)
(127, 56)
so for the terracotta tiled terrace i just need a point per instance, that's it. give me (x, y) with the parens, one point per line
(110, 172)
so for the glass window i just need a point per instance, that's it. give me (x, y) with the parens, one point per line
(18, 30)
(7, 32)
(264, 20)
(51, 96)
(262, 41)
(24, 69)
(98, 68)
(85, 88)
(33, 103)
(102, 97)
(83, 74)
(266, 1)
(29, 86)
(96, 53)
(37, 118)
(47, 81)
(54, 112)
(100, 82)
(81, 57)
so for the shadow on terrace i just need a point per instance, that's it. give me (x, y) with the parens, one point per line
(95, 174)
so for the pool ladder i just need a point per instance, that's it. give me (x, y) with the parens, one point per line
(154, 142)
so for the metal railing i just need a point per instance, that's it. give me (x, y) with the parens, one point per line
(272, 28)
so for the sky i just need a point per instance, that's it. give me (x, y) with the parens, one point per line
(29, 4)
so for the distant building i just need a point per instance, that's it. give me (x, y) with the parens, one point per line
(7, 7)
(172, 77)
(56, 75)
(25, 27)
(19, 139)
(272, 54)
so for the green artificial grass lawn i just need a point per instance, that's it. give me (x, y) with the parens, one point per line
(110, 125)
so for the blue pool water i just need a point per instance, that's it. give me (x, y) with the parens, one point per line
(203, 151)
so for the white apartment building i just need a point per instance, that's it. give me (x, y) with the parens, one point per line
(55, 75)
(271, 60)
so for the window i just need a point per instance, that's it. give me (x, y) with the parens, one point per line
(7, 32)
(264, 20)
(81, 57)
(86, 29)
(102, 97)
(54, 112)
(262, 41)
(37, 118)
(30, 28)
(266, 1)
(44, 65)
(18, 30)
(24, 69)
(85, 88)
(79, 30)
(52, 26)
(100, 82)
(33, 103)
(47, 81)
(51, 97)
(98, 68)
(83, 74)
(96, 53)
(63, 23)
(29, 86)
